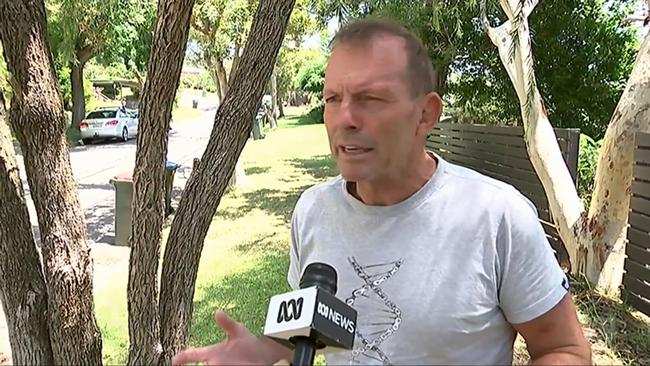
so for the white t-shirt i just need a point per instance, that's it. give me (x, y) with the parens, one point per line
(437, 278)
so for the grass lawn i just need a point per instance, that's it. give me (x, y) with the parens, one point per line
(186, 114)
(245, 257)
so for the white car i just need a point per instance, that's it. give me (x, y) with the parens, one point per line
(116, 122)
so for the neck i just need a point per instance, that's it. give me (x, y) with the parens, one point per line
(390, 190)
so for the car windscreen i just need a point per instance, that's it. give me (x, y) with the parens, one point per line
(101, 114)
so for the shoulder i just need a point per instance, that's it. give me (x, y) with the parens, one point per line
(484, 191)
(318, 196)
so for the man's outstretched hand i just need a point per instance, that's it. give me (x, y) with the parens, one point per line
(241, 347)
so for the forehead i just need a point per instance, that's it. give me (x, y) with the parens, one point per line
(381, 60)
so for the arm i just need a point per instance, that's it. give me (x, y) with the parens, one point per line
(534, 291)
(556, 337)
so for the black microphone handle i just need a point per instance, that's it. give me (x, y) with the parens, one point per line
(304, 352)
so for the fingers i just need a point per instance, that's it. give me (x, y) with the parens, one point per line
(229, 326)
(192, 355)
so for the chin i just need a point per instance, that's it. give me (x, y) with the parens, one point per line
(352, 175)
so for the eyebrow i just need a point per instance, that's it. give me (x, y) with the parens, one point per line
(372, 86)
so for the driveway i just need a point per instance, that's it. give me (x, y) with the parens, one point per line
(93, 167)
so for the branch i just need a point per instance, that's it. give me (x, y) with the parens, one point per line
(201, 29)
(85, 53)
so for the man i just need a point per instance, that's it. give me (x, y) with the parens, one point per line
(444, 265)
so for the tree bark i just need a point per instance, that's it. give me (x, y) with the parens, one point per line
(440, 73)
(223, 78)
(22, 286)
(235, 61)
(82, 55)
(140, 79)
(78, 101)
(608, 213)
(217, 83)
(274, 97)
(38, 119)
(164, 70)
(280, 108)
(209, 180)
(595, 240)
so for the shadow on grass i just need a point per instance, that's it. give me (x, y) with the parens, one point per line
(243, 295)
(274, 202)
(319, 166)
(303, 120)
(278, 202)
(257, 170)
(614, 322)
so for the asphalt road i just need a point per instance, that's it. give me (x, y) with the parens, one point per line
(93, 167)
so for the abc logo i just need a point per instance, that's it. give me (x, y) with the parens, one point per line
(290, 310)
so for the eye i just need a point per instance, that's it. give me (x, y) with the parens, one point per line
(370, 98)
(331, 99)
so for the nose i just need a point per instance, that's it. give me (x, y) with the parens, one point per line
(348, 118)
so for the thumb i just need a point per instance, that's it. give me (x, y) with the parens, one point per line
(229, 326)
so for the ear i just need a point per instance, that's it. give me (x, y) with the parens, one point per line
(431, 112)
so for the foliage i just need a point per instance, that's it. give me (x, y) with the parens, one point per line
(443, 26)
(97, 71)
(202, 81)
(116, 30)
(301, 23)
(587, 163)
(310, 80)
(289, 64)
(311, 77)
(583, 56)
(220, 28)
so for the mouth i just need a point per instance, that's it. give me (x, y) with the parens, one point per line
(353, 150)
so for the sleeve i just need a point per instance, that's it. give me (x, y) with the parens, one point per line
(293, 275)
(531, 280)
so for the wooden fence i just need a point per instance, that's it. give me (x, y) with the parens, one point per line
(636, 279)
(500, 152)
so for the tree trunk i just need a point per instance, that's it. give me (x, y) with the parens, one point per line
(280, 108)
(440, 78)
(595, 241)
(217, 83)
(82, 56)
(235, 61)
(140, 79)
(209, 180)
(223, 79)
(274, 97)
(38, 119)
(164, 70)
(608, 214)
(78, 101)
(270, 117)
(22, 286)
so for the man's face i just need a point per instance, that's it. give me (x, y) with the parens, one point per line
(373, 121)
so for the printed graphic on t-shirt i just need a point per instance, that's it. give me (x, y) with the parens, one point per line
(379, 316)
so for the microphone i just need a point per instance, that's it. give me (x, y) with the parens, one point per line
(312, 319)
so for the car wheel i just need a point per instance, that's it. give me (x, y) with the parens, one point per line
(87, 141)
(125, 134)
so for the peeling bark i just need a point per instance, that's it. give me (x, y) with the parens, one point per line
(595, 240)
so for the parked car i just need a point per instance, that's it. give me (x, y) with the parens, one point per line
(109, 123)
